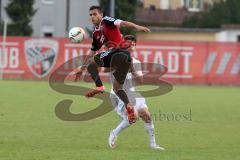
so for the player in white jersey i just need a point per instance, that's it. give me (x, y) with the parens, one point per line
(136, 99)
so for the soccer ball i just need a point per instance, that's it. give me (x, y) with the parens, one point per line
(76, 34)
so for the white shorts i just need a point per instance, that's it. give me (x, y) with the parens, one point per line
(119, 106)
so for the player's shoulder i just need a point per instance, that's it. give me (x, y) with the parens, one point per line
(107, 18)
(110, 21)
(137, 66)
(135, 61)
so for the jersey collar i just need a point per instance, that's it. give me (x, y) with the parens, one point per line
(98, 27)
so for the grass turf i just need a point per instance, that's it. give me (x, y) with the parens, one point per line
(31, 131)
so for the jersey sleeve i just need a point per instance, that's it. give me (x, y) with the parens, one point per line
(137, 67)
(110, 21)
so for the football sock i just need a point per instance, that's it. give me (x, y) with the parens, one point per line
(93, 70)
(124, 124)
(123, 96)
(149, 127)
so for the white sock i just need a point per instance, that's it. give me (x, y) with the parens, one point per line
(149, 127)
(124, 124)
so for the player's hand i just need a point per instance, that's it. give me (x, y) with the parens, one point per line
(78, 74)
(143, 29)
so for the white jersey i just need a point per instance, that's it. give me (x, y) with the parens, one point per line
(135, 98)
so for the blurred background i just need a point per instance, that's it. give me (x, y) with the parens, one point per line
(194, 20)
(197, 40)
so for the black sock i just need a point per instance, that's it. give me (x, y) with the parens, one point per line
(123, 96)
(93, 70)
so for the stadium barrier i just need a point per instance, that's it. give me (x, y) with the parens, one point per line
(187, 62)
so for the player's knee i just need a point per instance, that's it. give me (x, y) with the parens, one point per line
(127, 123)
(91, 67)
(117, 87)
(91, 61)
(122, 57)
(145, 116)
(116, 90)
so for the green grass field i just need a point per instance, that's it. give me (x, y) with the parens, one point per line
(31, 131)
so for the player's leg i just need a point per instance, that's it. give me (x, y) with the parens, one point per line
(145, 115)
(92, 68)
(102, 59)
(119, 108)
(121, 61)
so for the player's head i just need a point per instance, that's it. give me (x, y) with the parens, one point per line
(132, 40)
(96, 14)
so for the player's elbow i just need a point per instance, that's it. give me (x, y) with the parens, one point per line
(123, 24)
(126, 24)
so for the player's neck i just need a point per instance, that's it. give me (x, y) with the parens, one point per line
(98, 24)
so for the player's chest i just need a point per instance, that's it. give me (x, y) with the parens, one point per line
(99, 34)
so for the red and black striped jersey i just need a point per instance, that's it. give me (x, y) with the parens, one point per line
(106, 31)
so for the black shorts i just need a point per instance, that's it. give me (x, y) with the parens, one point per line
(118, 59)
(104, 59)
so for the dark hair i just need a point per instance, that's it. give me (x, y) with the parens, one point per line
(130, 37)
(96, 7)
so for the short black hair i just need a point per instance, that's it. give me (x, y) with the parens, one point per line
(96, 7)
(130, 37)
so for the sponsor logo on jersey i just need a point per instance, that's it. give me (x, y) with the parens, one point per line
(104, 54)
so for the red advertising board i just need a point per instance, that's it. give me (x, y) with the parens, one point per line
(187, 62)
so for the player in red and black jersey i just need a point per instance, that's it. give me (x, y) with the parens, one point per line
(107, 32)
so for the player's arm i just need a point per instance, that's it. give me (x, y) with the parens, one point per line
(95, 47)
(138, 76)
(87, 60)
(90, 57)
(136, 70)
(128, 24)
(120, 23)
(82, 68)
